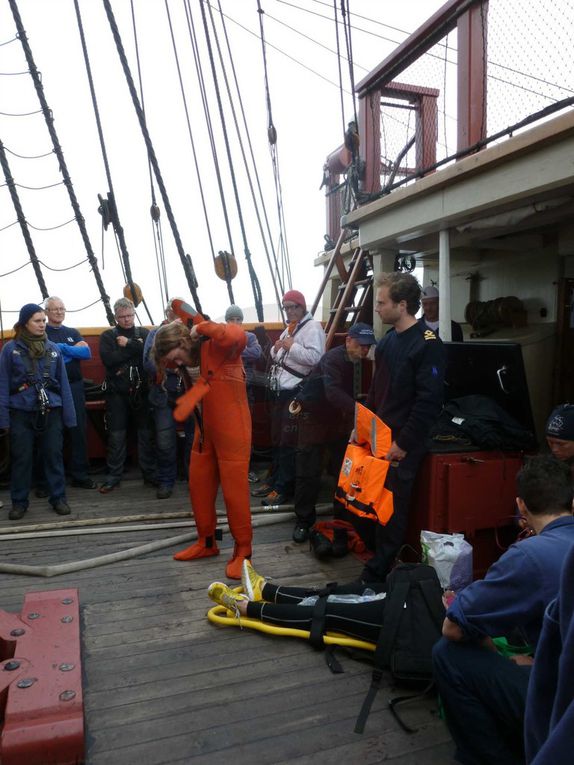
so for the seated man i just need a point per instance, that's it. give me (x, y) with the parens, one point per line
(549, 719)
(560, 434)
(483, 692)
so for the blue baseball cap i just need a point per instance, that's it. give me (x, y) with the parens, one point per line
(362, 333)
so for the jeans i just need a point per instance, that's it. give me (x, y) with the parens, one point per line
(24, 435)
(165, 443)
(78, 436)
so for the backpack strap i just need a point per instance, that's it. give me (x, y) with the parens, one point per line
(394, 703)
(318, 622)
(393, 613)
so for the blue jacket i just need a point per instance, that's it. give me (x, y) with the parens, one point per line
(16, 392)
(67, 339)
(549, 721)
(171, 387)
(517, 588)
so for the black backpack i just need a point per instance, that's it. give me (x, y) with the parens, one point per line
(414, 613)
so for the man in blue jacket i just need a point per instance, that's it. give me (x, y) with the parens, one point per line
(549, 721)
(74, 349)
(483, 692)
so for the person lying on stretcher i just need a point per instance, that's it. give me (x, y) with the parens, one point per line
(353, 609)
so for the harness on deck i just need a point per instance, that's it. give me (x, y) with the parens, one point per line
(40, 382)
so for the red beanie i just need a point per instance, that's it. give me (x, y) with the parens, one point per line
(295, 297)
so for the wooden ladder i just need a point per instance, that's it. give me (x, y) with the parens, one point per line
(354, 292)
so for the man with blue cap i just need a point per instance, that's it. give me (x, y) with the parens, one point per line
(326, 414)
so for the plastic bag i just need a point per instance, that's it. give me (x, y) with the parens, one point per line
(451, 557)
(367, 596)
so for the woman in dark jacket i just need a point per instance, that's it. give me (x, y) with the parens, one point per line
(35, 403)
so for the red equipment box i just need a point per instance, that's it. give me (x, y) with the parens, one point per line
(469, 492)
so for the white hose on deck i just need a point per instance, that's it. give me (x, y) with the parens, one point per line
(271, 517)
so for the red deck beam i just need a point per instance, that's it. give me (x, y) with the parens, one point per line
(41, 681)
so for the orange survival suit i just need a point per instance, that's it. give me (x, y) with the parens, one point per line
(221, 444)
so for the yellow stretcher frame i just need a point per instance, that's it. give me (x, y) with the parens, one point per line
(220, 615)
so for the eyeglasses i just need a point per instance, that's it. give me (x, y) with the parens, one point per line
(291, 307)
(125, 316)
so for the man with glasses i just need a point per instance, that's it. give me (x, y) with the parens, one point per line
(121, 351)
(74, 349)
(294, 355)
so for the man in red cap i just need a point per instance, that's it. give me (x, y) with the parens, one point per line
(294, 355)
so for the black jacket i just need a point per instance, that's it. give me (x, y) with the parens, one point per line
(407, 388)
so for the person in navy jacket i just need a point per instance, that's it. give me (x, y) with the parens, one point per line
(35, 404)
(484, 693)
(549, 720)
(406, 394)
(74, 349)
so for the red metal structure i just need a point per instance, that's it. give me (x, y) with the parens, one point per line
(469, 17)
(41, 681)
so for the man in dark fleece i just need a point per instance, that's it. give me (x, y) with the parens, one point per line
(406, 393)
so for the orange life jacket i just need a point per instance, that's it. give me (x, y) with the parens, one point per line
(361, 488)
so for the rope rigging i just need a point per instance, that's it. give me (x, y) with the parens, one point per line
(209, 126)
(114, 217)
(275, 276)
(272, 136)
(253, 276)
(22, 220)
(61, 161)
(224, 259)
(155, 212)
(185, 259)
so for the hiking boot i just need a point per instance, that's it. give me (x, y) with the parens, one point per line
(320, 544)
(253, 583)
(261, 491)
(17, 512)
(300, 533)
(224, 596)
(61, 507)
(84, 483)
(108, 486)
(274, 498)
(340, 543)
(164, 491)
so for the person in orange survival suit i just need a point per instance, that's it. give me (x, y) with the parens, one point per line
(222, 443)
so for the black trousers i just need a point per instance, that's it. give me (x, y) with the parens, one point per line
(308, 470)
(359, 620)
(484, 698)
(390, 538)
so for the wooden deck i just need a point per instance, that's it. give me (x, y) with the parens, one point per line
(163, 685)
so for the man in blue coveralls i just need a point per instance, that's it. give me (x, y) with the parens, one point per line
(483, 692)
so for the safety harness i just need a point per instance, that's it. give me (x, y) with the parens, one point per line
(40, 382)
(279, 364)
